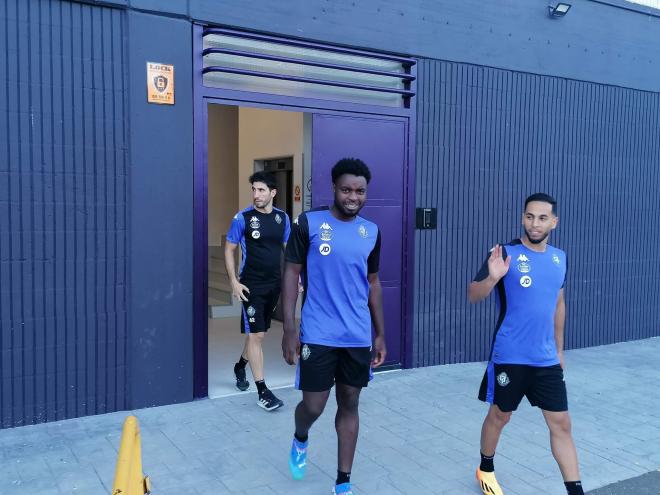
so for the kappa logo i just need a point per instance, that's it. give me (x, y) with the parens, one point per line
(305, 352)
(254, 223)
(523, 258)
(526, 281)
(503, 379)
(278, 219)
(326, 232)
(325, 249)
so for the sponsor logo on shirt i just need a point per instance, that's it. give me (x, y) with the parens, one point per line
(503, 379)
(325, 249)
(526, 281)
(326, 232)
(254, 223)
(278, 219)
(524, 267)
(256, 234)
(363, 231)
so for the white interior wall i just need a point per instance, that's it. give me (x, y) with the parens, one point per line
(223, 197)
(267, 134)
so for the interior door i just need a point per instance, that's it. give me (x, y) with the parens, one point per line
(382, 144)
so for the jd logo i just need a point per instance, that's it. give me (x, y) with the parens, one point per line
(160, 83)
(324, 249)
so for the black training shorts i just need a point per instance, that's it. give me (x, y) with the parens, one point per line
(506, 384)
(258, 310)
(320, 367)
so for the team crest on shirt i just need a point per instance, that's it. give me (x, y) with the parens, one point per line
(524, 267)
(256, 234)
(503, 379)
(325, 249)
(555, 259)
(363, 231)
(278, 219)
(305, 352)
(526, 281)
(523, 258)
(251, 311)
(326, 232)
(254, 223)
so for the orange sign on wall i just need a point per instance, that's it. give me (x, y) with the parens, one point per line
(296, 193)
(160, 83)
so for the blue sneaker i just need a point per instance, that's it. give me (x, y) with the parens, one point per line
(298, 459)
(343, 489)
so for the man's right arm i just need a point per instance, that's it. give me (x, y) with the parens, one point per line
(495, 267)
(235, 234)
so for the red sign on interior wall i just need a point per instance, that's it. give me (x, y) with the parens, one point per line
(296, 193)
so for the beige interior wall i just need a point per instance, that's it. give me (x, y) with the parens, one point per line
(223, 197)
(268, 134)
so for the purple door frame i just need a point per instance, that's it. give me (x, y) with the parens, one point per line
(203, 96)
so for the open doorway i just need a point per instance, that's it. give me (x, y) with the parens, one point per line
(241, 141)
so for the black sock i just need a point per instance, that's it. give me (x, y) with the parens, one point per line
(241, 364)
(261, 386)
(487, 463)
(343, 477)
(301, 439)
(574, 487)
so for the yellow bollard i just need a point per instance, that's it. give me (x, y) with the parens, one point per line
(129, 479)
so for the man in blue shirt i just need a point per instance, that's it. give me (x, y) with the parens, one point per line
(337, 252)
(261, 230)
(527, 357)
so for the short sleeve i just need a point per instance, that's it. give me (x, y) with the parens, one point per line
(236, 229)
(482, 274)
(287, 229)
(373, 262)
(298, 245)
(565, 272)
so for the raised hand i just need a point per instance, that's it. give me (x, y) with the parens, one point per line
(498, 267)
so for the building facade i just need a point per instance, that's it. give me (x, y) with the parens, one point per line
(102, 246)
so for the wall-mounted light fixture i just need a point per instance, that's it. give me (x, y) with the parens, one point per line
(558, 10)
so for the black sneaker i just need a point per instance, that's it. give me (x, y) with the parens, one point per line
(241, 381)
(268, 401)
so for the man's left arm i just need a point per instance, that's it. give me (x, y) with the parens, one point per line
(377, 318)
(376, 304)
(560, 319)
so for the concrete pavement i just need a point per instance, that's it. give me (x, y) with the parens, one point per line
(419, 435)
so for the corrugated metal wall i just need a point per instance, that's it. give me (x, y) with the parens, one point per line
(486, 138)
(63, 211)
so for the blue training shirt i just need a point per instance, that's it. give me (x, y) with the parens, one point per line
(260, 236)
(527, 297)
(337, 257)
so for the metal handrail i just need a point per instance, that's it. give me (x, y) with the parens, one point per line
(269, 75)
(277, 58)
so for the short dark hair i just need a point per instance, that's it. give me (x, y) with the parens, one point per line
(265, 177)
(543, 197)
(353, 166)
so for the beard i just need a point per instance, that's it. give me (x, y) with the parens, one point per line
(537, 241)
(345, 212)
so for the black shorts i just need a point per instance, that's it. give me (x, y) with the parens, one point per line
(320, 367)
(506, 384)
(258, 310)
